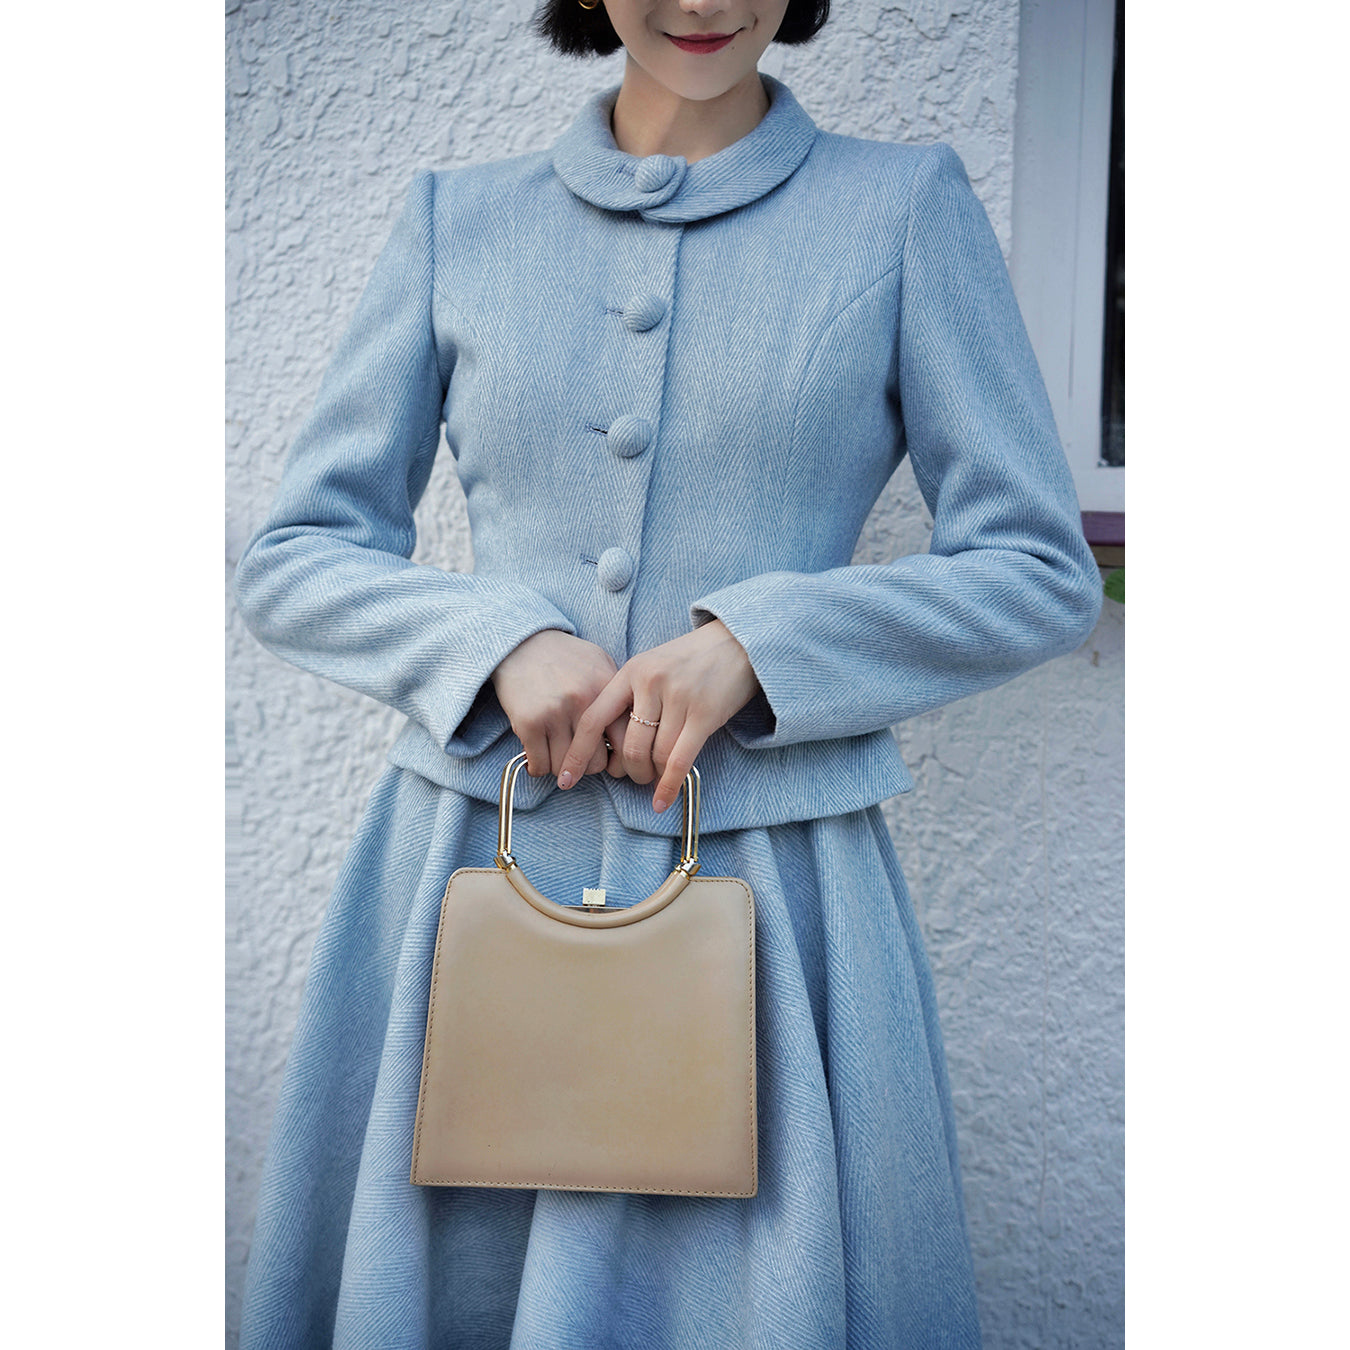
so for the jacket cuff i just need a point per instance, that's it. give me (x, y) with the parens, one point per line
(479, 720)
(750, 617)
(484, 725)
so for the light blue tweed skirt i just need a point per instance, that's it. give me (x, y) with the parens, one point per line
(857, 1238)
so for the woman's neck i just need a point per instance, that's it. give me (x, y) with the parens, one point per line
(650, 119)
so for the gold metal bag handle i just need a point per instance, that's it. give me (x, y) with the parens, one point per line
(659, 898)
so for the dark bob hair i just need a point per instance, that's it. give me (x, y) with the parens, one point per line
(574, 31)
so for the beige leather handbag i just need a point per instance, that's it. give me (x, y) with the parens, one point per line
(591, 1047)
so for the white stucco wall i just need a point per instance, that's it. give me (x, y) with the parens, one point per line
(1012, 840)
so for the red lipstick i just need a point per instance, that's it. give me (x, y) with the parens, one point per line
(705, 42)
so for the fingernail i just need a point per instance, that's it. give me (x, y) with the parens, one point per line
(565, 779)
(660, 804)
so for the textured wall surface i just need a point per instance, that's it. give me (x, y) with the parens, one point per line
(1012, 840)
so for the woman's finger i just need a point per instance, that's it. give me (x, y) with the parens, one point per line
(643, 723)
(599, 761)
(690, 742)
(535, 744)
(667, 734)
(612, 701)
(614, 733)
(558, 742)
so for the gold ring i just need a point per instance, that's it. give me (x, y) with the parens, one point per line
(633, 717)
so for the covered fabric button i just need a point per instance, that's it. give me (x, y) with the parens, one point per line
(643, 312)
(628, 436)
(615, 569)
(654, 172)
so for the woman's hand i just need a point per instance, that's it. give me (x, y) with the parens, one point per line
(683, 691)
(544, 686)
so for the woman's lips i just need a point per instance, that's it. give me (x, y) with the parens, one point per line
(711, 42)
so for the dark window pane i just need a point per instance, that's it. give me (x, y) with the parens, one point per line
(1113, 372)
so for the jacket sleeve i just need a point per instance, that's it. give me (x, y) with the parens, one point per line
(1008, 581)
(327, 583)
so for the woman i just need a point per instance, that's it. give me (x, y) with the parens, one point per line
(677, 355)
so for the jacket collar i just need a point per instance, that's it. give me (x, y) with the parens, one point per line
(668, 188)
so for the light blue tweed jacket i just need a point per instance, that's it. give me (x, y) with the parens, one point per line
(674, 392)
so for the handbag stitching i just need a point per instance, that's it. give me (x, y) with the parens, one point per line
(625, 1190)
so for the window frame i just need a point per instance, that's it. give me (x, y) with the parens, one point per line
(1061, 188)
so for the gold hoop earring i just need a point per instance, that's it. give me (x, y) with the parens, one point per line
(592, 5)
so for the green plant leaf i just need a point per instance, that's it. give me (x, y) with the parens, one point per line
(1114, 585)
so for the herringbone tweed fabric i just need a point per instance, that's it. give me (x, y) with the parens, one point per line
(673, 392)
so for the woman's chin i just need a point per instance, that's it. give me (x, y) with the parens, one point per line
(704, 88)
